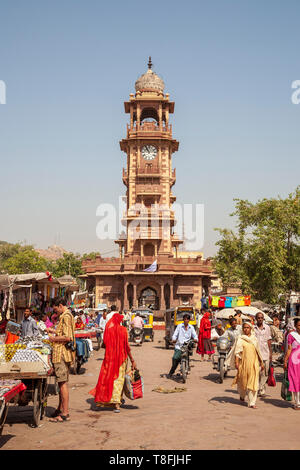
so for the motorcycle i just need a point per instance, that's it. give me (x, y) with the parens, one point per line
(186, 351)
(137, 335)
(223, 346)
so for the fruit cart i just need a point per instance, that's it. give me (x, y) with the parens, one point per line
(33, 370)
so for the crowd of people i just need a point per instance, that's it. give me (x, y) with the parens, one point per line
(253, 343)
(250, 355)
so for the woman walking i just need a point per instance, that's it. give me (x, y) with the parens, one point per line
(204, 343)
(292, 363)
(108, 391)
(248, 361)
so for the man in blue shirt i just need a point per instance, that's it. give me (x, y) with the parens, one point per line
(28, 325)
(183, 333)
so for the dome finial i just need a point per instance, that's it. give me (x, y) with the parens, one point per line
(150, 63)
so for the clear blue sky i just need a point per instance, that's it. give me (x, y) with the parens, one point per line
(69, 65)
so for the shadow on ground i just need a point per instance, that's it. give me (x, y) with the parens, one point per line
(94, 407)
(4, 439)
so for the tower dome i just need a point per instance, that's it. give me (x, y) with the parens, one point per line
(149, 81)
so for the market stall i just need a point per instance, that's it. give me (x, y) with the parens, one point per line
(9, 390)
(229, 301)
(28, 360)
(83, 346)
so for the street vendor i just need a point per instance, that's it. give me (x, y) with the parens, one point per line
(29, 326)
(79, 325)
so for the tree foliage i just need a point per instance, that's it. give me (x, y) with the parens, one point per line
(263, 255)
(70, 264)
(23, 259)
(18, 259)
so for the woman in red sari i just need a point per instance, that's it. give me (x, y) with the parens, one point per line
(109, 388)
(204, 343)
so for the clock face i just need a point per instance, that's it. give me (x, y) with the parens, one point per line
(149, 152)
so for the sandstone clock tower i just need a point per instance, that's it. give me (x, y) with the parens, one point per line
(149, 219)
(149, 176)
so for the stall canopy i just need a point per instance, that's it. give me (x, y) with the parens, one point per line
(28, 277)
(67, 281)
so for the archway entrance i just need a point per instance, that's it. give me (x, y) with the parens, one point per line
(149, 298)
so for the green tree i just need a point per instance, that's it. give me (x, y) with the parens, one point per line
(25, 260)
(70, 263)
(264, 255)
(91, 255)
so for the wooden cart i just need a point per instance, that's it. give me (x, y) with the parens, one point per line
(36, 381)
(14, 390)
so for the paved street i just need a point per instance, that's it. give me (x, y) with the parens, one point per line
(208, 415)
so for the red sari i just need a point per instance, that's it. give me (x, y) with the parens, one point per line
(204, 342)
(116, 352)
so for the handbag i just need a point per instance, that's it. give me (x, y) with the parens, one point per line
(285, 393)
(271, 378)
(133, 385)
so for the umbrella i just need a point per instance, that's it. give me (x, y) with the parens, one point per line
(252, 311)
(261, 305)
(226, 312)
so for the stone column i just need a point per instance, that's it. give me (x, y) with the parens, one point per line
(134, 300)
(171, 292)
(167, 117)
(126, 303)
(160, 117)
(138, 116)
(162, 297)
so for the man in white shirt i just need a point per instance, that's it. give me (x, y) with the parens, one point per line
(264, 337)
(183, 333)
(234, 331)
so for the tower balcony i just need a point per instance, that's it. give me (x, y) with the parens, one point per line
(148, 129)
(148, 234)
(149, 214)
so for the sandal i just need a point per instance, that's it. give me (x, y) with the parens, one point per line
(55, 413)
(58, 420)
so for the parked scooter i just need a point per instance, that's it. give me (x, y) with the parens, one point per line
(187, 352)
(137, 335)
(223, 346)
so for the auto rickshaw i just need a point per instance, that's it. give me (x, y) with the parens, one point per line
(147, 316)
(173, 318)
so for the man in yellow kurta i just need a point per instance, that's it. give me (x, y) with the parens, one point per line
(248, 361)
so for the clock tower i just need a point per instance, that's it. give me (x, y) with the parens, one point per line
(149, 177)
(177, 277)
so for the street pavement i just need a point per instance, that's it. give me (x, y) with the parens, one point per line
(206, 415)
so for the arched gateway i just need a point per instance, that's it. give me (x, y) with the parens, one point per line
(149, 298)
